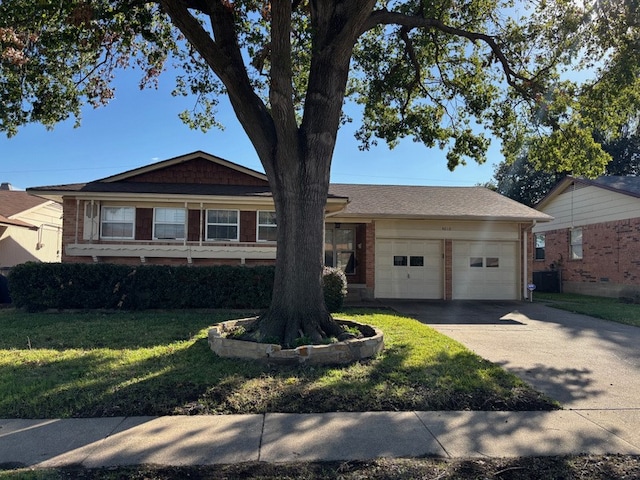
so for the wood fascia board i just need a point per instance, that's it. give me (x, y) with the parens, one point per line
(352, 218)
(151, 197)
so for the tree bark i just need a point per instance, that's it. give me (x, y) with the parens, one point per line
(297, 306)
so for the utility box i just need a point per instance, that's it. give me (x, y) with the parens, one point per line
(547, 281)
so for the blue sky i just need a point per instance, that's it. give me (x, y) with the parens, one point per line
(141, 127)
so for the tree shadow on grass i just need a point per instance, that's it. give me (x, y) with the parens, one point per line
(190, 379)
(385, 383)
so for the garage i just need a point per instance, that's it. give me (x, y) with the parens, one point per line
(409, 269)
(484, 270)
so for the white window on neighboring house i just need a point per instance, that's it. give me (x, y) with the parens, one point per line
(576, 243)
(540, 245)
(118, 223)
(168, 223)
(222, 225)
(267, 226)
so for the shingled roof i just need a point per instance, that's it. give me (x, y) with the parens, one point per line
(14, 202)
(364, 201)
(397, 201)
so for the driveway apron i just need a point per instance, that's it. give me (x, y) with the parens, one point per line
(583, 362)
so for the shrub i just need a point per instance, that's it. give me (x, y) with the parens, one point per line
(334, 282)
(41, 286)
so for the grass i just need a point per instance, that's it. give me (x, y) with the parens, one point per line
(605, 308)
(64, 365)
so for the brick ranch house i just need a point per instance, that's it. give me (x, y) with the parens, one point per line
(593, 242)
(412, 242)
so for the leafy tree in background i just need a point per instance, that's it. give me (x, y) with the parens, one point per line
(522, 182)
(446, 73)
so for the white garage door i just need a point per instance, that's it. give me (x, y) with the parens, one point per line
(409, 269)
(485, 270)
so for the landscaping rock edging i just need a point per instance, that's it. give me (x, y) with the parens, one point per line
(339, 353)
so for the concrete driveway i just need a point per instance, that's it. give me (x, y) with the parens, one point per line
(583, 362)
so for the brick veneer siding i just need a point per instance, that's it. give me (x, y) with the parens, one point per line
(198, 171)
(144, 232)
(248, 226)
(360, 275)
(144, 223)
(610, 258)
(70, 209)
(448, 269)
(370, 257)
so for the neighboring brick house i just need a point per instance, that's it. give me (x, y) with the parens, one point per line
(594, 240)
(392, 241)
(30, 228)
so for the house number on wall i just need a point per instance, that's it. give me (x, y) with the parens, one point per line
(448, 229)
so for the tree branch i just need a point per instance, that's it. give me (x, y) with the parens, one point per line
(222, 54)
(384, 17)
(281, 88)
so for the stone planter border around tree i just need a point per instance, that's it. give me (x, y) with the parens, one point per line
(339, 353)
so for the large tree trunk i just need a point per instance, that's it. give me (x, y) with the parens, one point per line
(297, 307)
(296, 158)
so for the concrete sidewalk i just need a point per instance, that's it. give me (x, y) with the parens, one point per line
(276, 437)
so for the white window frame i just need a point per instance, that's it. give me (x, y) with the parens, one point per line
(575, 252)
(183, 223)
(103, 220)
(218, 224)
(264, 225)
(539, 239)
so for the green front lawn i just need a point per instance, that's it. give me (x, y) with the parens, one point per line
(159, 363)
(600, 307)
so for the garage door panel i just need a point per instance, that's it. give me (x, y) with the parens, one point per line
(485, 270)
(408, 269)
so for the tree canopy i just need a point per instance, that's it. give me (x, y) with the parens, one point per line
(447, 74)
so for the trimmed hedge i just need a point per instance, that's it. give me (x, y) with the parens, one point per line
(41, 286)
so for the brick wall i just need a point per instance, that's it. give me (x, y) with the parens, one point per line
(144, 224)
(611, 257)
(448, 269)
(361, 256)
(198, 171)
(370, 257)
(248, 226)
(69, 207)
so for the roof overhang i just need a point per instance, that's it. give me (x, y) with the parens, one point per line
(494, 218)
(334, 203)
(13, 222)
